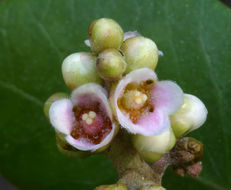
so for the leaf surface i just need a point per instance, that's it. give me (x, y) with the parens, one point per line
(35, 36)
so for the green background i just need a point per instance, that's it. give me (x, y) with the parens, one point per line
(35, 36)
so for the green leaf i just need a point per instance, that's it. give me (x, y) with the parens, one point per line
(35, 36)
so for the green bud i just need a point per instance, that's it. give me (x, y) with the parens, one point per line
(105, 33)
(111, 64)
(80, 68)
(150, 156)
(190, 116)
(152, 187)
(112, 187)
(152, 148)
(140, 52)
(52, 99)
(67, 149)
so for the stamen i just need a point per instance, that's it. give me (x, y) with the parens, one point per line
(138, 100)
(92, 114)
(144, 97)
(89, 121)
(84, 116)
(134, 99)
(89, 117)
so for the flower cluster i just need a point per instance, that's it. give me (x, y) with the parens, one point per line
(116, 87)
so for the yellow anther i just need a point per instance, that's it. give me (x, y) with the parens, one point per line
(138, 100)
(89, 117)
(137, 93)
(84, 116)
(89, 121)
(134, 99)
(92, 114)
(144, 97)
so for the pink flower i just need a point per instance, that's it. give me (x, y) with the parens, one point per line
(86, 119)
(142, 104)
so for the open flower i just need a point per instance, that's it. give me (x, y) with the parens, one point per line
(86, 119)
(142, 104)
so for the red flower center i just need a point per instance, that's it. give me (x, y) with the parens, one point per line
(91, 123)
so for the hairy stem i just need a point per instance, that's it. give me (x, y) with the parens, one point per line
(136, 174)
(131, 168)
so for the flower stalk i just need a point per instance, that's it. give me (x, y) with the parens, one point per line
(137, 174)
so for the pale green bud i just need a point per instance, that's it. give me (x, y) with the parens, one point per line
(152, 187)
(112, 187)
(80, 68)
(111, 64)
(105, 33)
(189, 117)
(140, 52)
(152, 148)
(51, 99)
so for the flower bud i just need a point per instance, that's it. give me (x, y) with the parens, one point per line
(51, 99)
(152, 187)
(105, 33)
(189, 117)
(80, 68)
(140, 52)
(152, 148)
(111, 64)
(112, 187)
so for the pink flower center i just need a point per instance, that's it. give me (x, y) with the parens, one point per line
(91, 124)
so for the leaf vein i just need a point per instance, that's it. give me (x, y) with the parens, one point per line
(21, 92)
(45, 33)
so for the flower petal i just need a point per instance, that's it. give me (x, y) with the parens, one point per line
(168, 96)
(198, 112)
(84, 145)
(87, 42)
(148, 125)
(131, 34)
(61, 116)
(90, 94)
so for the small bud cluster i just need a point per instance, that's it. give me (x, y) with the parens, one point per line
(115, 87)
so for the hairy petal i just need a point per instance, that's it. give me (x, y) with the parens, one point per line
(148, 125)
(167, 96)
(131, 34)
(90, 94)
(61, 116)
(84, 145)
(197, 113)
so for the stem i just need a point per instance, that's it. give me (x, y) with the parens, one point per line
(132, 170)
(135, 173)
